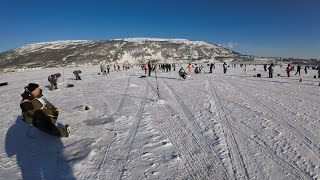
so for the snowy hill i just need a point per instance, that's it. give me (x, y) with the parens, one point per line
(209, 126)
(89, 53)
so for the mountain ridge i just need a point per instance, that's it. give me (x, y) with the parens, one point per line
(128, 50)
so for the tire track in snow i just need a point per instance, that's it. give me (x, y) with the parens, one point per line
(289, 167)
(296, 130)
(183, 140)
(254, 137)
(315, 103)
(239, 168)
(203, 147)
(279, 91)
(123, 152)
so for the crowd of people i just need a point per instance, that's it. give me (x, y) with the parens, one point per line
(40, 113)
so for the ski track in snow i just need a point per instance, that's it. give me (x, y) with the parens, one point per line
(289, 167)
(296, 130)
(197, 153)
(198, 133)
(123, 152)
(107, 140)
(239, 169)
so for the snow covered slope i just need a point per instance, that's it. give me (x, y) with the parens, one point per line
(209, 126)
(88, 53)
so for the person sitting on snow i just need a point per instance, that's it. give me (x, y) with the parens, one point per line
(182, 73)
(39, 112)
(196, 70)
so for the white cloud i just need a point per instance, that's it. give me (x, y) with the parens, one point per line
(230, 45)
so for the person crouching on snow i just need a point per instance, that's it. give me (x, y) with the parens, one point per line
(76, 73)
(53, 78)
(182, 73)
(39, 112)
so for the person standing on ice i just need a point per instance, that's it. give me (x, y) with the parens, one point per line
(145, 67)
(298, 69)
(101, 67)
(306, 69)
(270, 68)
(288, 69)
(108, 68)
(225, 67)
(149, 68)
(39, 112)
(104, 69)
(189, 67)
(211, 66)
(265, 67)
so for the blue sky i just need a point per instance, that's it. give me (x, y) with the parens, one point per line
(287, 28)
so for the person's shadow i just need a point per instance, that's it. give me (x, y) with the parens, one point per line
(38, 154)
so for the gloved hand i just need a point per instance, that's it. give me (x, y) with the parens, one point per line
(53, 113)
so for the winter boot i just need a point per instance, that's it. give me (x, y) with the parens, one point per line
(64, 131)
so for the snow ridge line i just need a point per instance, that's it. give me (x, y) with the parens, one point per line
(124, 151)
(239, 169)
(297, 131)
(289, 167)
(200, 138)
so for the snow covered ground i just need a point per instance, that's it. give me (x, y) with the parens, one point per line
(209, 126)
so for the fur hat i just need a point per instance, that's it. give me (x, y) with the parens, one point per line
(32, 86)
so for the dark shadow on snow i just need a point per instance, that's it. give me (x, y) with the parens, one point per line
(38, 154)
(167, 78)
(48, 87)
(99, 121)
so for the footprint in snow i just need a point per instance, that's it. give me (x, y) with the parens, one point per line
(99, 120)
(78, 150)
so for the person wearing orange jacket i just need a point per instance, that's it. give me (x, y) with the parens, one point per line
(145, 67)
(189, 67)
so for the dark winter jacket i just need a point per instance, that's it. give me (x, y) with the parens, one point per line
(33, 111)
(54, 77)
(271, 67)
(76, 72)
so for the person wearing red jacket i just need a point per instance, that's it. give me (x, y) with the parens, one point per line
(288, 69)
